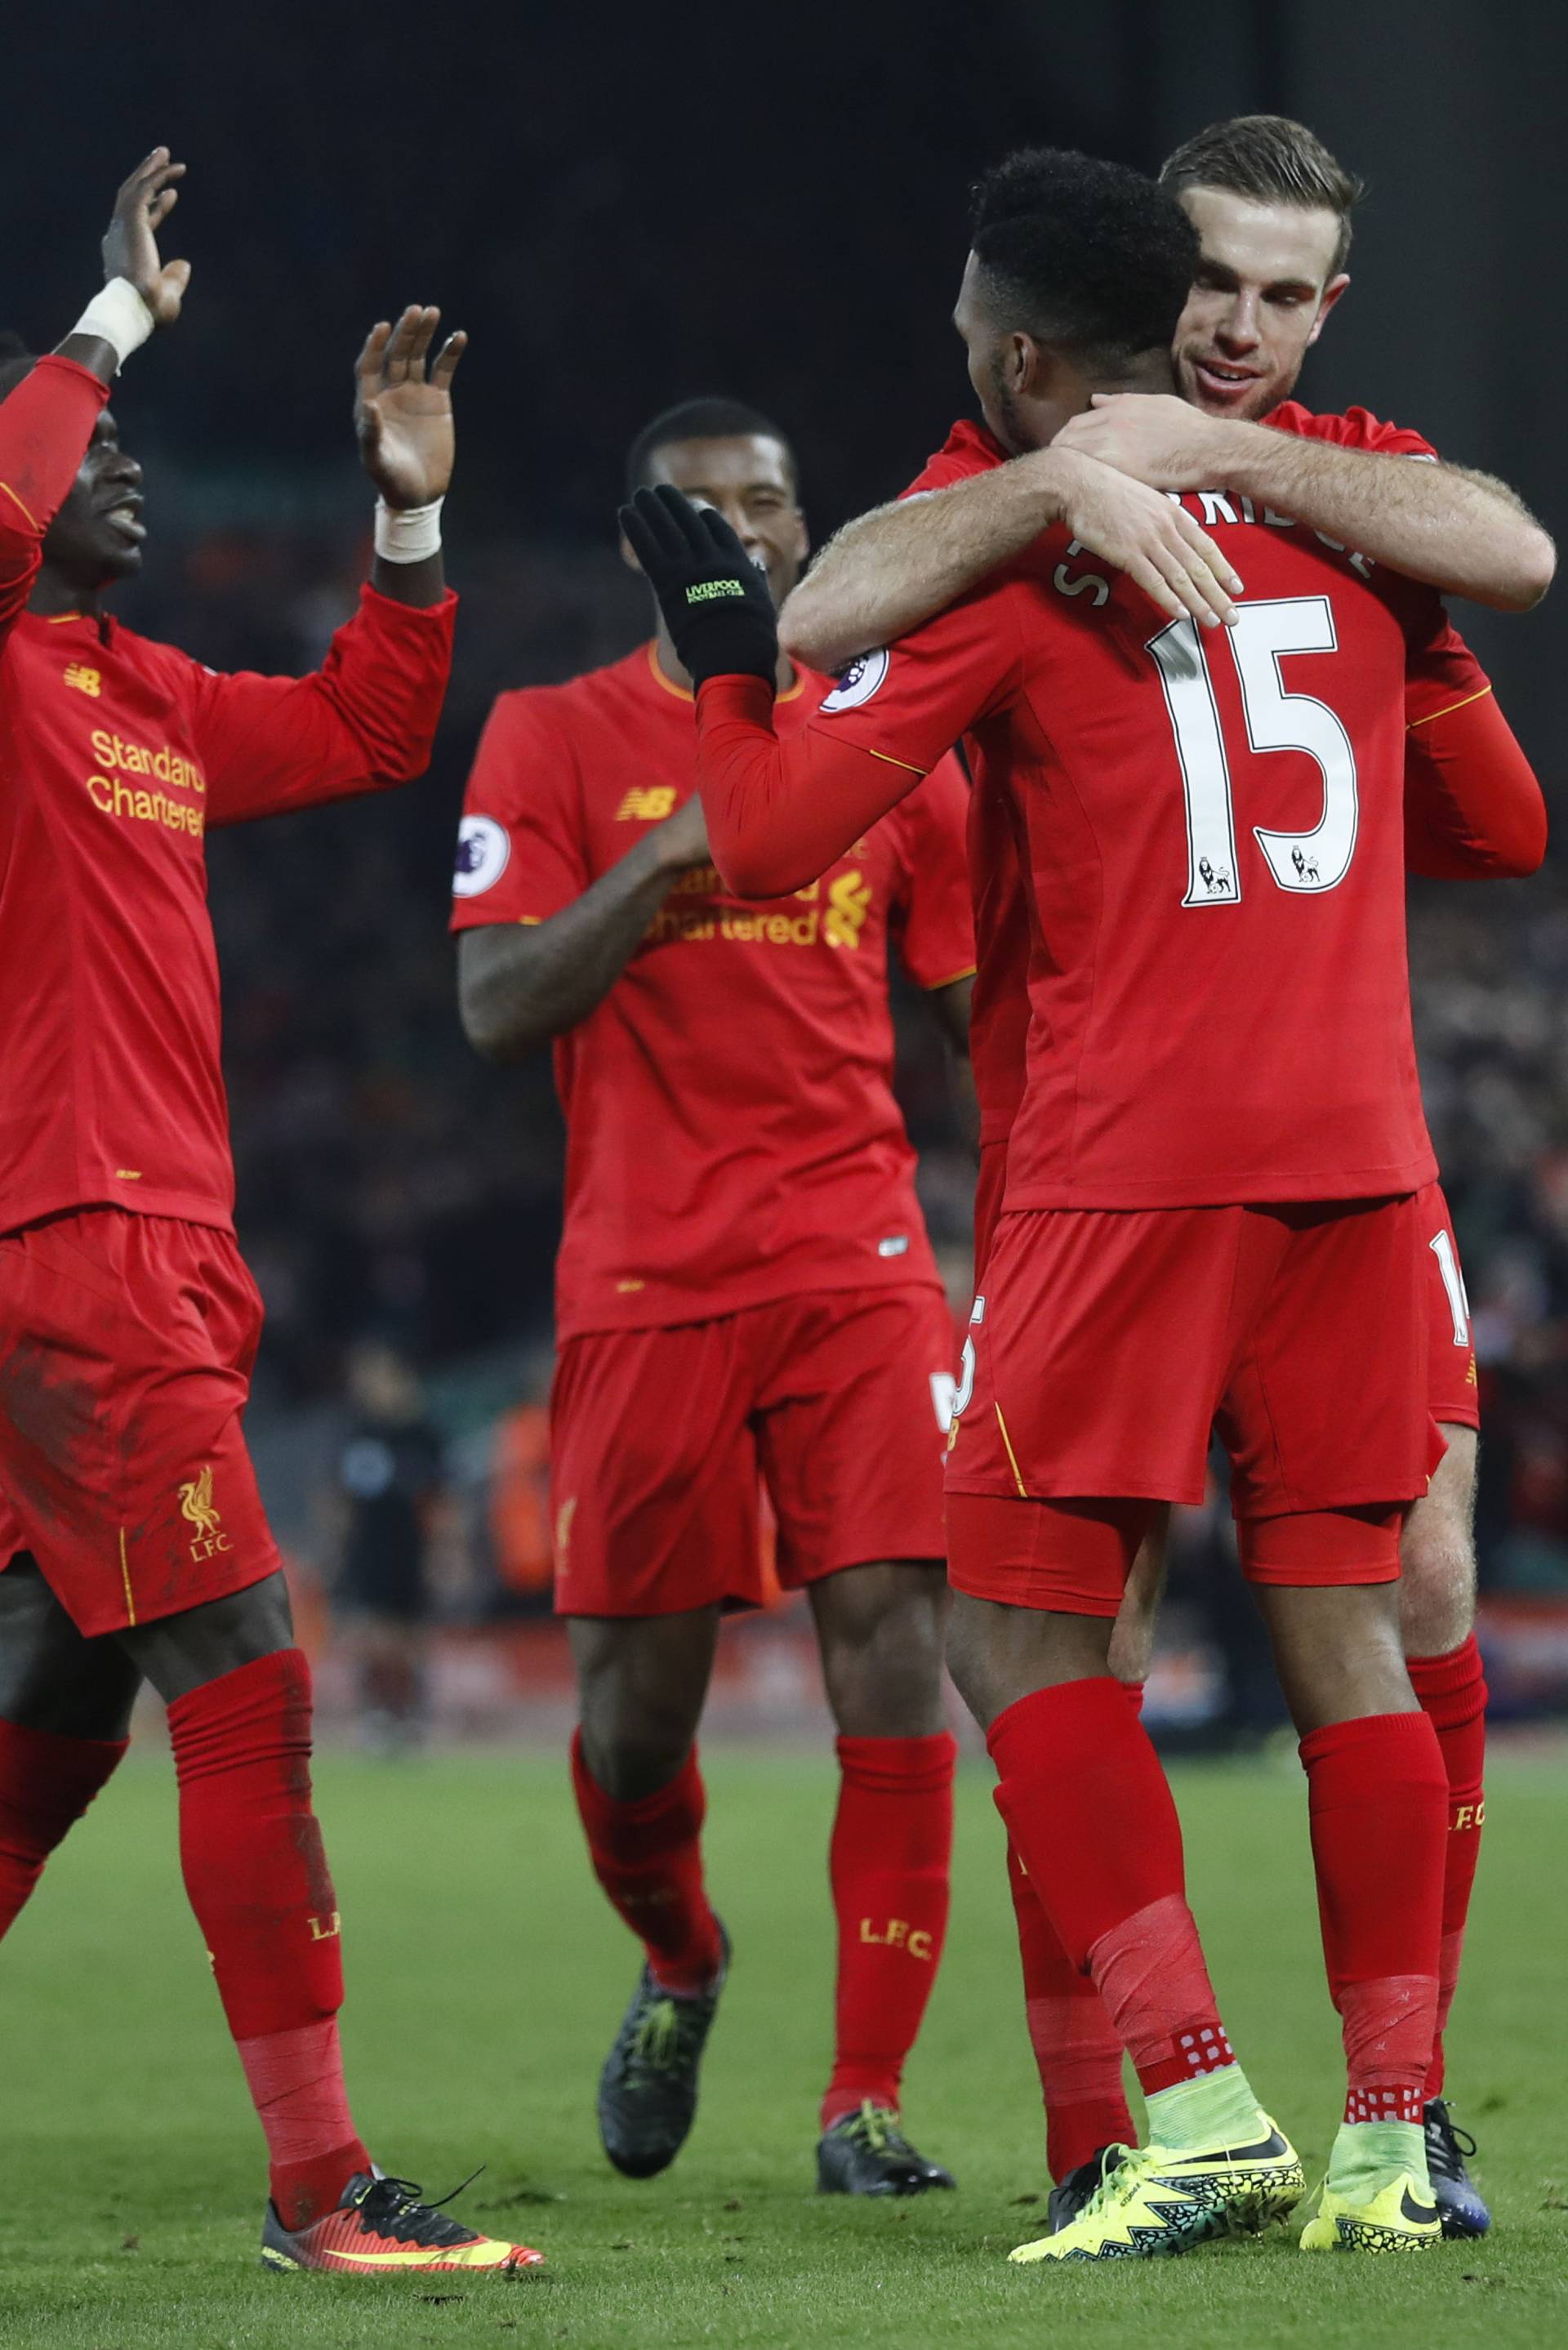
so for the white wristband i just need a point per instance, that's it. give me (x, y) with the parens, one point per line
(117, 316)
(409, 534)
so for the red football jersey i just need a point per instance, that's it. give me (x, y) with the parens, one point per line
(733, 1136)
(1210, 830)
(114, 756)
(1442, 671)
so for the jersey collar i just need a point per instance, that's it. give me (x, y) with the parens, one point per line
(681, 694)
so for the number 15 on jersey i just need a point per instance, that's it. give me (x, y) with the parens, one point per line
(1304, 862)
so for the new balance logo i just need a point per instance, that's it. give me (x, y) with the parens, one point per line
(650, 807)
(85, 680)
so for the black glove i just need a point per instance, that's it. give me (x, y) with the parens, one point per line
(714, 599)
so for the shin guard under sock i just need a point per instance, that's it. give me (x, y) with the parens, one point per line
(648, 1856)
(1077, 2050)
(1091, 1816)
(1451, 1690)
(1378, 1796)
(889, 1866)
(47, 1783)
(257, 1879)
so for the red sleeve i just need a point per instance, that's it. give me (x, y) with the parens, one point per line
(1355, 427)
(46, 425)
(779, 813)
(520, 853)
(935, 928)
(1474, 808)
(365, 720)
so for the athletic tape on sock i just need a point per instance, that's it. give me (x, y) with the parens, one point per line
(1388, 2027)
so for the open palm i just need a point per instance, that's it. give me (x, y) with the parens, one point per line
(402, 414)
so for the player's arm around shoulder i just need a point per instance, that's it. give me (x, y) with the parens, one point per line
(542, 940)
(884, 575)
(1460, 532)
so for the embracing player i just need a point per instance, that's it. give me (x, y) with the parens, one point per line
(1211, 1184)
(745, 1295)
(128, 1321)
(1274, 210)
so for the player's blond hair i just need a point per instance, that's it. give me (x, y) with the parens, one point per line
(1273, 160)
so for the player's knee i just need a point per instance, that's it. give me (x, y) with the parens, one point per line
(183, 1653)
(1438, 1588)
(1437, 1555)
(51, 1678)
(629, 1764)
(880, 1629)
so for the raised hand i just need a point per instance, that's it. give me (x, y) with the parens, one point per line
(130, 241)
(714, 599)
(404, 416)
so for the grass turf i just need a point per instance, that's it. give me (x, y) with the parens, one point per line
(485, 1981)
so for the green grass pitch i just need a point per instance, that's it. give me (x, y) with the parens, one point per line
(485, 1978)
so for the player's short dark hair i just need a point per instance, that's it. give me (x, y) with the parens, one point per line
(1273, 160)
(1088, 257)
(15, 362)
(710, 419)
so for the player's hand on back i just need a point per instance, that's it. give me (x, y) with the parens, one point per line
(402, 407)
(715, 601)
(1137, 530)
(130, 241)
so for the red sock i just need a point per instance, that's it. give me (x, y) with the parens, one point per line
(258, 1882)
(1091, 1816)
(648, 1856)
(1076, 2047)
(47, 1783)
(1378, 1795)
(1452, 1692)
(888, 1865)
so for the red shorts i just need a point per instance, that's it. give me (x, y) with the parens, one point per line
(1452, 1396)
(1451, 1393)
(660, 1441)
(125, 1347)
(1107, 1344)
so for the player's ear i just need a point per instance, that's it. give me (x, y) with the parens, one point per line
(1331, 294)
(627, 556)
(802, 538)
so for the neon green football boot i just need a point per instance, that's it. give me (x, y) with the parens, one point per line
(1155, 2200)
(1400, 2218)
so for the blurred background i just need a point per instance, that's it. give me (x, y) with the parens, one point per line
(627, 207)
